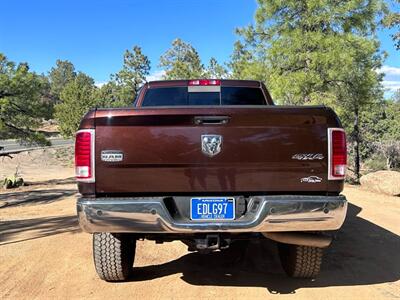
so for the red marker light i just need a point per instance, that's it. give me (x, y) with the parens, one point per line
(337, 163)
(204, 82)
(84, 155)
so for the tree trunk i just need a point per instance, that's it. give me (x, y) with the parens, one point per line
(356, 145)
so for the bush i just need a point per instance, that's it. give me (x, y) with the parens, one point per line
(376, 162)
(12, 182)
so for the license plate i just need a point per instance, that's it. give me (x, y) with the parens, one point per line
(212, 208)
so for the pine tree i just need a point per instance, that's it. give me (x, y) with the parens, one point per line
(21, 105)
(182, 61)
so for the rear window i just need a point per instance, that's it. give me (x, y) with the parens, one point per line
(242, 96)
(179, 96)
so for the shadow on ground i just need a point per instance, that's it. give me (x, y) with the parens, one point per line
(69, 180)
(362, 254)
(39, 196)
(14, 231)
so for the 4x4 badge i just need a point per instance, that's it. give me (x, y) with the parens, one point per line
(308, 156)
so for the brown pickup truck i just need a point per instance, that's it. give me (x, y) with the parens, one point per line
(210, 162)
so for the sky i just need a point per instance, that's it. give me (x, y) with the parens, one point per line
(93, 34)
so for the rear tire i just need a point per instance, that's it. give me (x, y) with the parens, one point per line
(113, 255)
(300, 261)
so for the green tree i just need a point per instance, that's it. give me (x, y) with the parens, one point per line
(381, 133)
(21, 103)
(135, 69)
(121, 90)
(389, 143)
(392, 20)
(313, 51)
(215, 70)
(126, 83)
(391, 121)
(362, 89)
(113, 94)
(245, 64)
(47, 98)
(59, 76)
(182, 61)
(77, 98)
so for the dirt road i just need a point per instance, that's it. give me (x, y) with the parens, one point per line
(13, 145)
(44, 255)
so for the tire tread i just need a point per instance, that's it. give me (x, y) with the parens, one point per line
(301, 261)
(113, 255)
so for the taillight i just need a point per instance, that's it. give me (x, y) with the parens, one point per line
(337, 154)
(84, 155)
(204, 82)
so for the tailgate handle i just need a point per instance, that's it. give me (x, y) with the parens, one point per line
(207, 120)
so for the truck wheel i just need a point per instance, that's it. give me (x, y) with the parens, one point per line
(300, 261)
(113, 255)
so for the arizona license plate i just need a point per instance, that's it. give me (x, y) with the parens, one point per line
(212, 208)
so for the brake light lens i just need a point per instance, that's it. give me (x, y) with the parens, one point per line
(337, 154)
(84, 155)
(204, 82)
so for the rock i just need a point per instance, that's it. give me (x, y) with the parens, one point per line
(385, 182)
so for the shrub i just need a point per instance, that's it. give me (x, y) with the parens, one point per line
(376, 162)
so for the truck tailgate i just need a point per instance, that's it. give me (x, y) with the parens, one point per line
(162, 150)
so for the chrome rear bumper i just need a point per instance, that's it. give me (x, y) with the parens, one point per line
(263, 214)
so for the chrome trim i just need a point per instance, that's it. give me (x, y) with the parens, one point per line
(207, 141)
(112, 155)
(272, 214)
